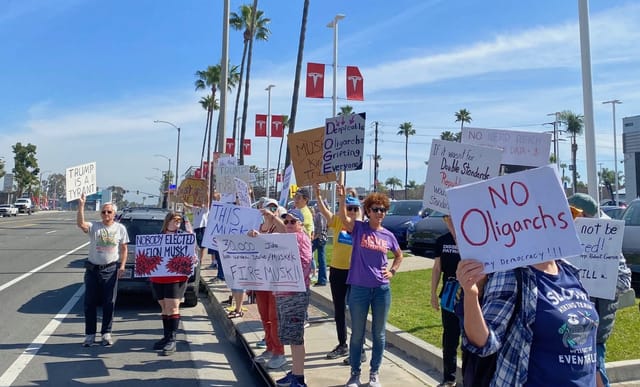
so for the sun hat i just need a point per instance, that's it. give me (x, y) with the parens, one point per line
(584, 202)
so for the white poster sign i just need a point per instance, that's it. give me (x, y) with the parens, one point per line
(165, 255)
(601, 241)
(225, 219)
(514, 220)
(286, 183)
(266, 262)
(452, 164)
(343, 144)
(80, 180)
(242, 192)
(520, 148)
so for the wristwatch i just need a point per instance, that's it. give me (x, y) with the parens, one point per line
(393, 271)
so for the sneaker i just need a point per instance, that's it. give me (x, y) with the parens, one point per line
(354, 381)
(363, 358)
(89, 340)
(374, 380)
(447, 384)
(338, 351)
(263, 357)
(276, 361)
(319, 284)
(261, 344)
(107, 340)
(296, 383)
(306, 324)
(286, 380)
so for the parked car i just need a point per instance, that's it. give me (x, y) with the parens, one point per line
(24, 205)
(631, 240)
(611, 202)
(401, 215)
(614, 212)
(142, 222)
(8, 210)
(422, 235)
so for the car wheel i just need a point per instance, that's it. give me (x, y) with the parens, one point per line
(190, 299)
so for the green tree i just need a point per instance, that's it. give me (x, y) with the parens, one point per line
(450, 136)
(574, 123)
(406, 130)
(55, 187)
(2, 171)
(462, 116)
(345, 110)
(25, 169)
(393, 182)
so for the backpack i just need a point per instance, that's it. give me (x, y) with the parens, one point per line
(478, 371)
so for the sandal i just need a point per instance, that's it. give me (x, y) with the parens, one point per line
(235, 314)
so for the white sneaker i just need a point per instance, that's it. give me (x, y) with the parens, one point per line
(263, 357)
(276, 361)
(89, 340)
(107, 340)
(374, 380)
(354, 381)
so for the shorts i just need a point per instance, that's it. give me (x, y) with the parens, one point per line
(173, 290)
(292, 312)
(199, 234)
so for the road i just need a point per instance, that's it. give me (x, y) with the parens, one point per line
(41, 329)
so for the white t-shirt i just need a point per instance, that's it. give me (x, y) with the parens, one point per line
(105, 242)
(200, 215)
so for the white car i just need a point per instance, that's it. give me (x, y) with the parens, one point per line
(8, 210)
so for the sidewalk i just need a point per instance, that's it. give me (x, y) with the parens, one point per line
(408, 361)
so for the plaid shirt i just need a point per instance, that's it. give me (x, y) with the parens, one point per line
(513, 347)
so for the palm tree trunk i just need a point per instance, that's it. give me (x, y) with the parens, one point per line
(574, 150)
(296, 82)
(406, 165)
(245, 103)
(210, 177)
(235, 111)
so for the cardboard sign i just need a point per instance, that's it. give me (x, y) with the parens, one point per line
(520, 148)
(80, 180)
(601, 241)
(284, 193)
(452, 164)
(266, 262)
(514, 220)
(306, 156)
(343, 143)
(165, 255)
(193, 191)
(225, 219)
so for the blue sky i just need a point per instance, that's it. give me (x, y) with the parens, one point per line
(84, 80)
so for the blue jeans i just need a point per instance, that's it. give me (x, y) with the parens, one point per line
(319, 245)
(601, 351)
(100, 288)
(360, 298)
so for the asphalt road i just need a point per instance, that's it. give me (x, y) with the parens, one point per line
(41, 326)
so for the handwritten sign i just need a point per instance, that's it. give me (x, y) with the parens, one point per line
(286, 183)
(514, 220)
(165, 255)
(193, 191)
(242, 192)
(520, 148)
(343, 143)
(452, 164)
(80, 180)
(225, 174)
(266, 262)
(225, 219)
(306, 156)
(601, 241)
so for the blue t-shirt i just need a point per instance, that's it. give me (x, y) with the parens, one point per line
(369, 256)
(563, 351)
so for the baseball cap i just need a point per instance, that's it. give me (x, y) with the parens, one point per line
(351, 201)
(585, 203)
(304, 192)
(295, 213)
(269, 202)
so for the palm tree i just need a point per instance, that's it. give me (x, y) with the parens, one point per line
(450, 136)
(406, 130)
(574, 123)
(244, 21)
(345, 110)
(393, 182)
(462, 116)
(285, 124)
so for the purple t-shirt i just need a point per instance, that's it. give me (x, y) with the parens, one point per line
(369, 256)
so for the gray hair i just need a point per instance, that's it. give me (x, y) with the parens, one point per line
(112, 204)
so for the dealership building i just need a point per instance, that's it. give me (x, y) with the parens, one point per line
(631, 150)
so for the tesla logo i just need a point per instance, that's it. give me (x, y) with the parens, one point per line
(261, 124)
(315, 77)
(354, 80)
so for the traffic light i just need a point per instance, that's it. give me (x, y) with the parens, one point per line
(137, 192)
(293, 188)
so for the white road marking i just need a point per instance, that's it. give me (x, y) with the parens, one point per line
(23, 360)
(37, 269)
(50, 232)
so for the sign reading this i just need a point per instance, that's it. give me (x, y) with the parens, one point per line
(80, 180)
(165, 255)
(225, 219)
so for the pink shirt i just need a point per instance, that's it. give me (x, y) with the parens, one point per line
(304, 247)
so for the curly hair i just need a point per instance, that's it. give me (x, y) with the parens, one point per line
(376, 198)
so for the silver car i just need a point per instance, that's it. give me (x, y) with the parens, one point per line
(631, 240)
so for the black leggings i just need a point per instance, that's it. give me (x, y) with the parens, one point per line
(339, 291)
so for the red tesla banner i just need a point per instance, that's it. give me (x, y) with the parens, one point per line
(230, 146)
(246, 147)
(315, 80)
(355, 84)
(197, 173)
(277, 127)
(261, 125)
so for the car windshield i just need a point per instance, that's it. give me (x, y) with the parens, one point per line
(5, 205)
(137, 227)
(402, 208)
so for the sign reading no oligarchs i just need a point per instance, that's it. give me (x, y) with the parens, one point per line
(229, 219)
(598, 262)
(266, 262)
(81, 179)
(165, 255)
(343, 144)
(514, 220)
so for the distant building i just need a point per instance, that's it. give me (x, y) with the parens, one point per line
(631, 150)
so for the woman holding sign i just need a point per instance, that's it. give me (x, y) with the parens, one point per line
(169, 290)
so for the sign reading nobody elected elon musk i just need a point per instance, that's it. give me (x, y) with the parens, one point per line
(513, 220)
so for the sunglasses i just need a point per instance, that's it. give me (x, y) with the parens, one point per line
(177, 220)
(377, 210)
(287, 221)
(353, 208)
(107, 212)
(272, 208)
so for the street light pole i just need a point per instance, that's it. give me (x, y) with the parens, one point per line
(268, 89)
(613, 103)
(177, 148)
(168, 176)
(334, 24)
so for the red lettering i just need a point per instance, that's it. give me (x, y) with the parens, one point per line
(464, 231)
(493, 193)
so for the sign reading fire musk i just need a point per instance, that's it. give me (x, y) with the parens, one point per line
(266, 262)
(452, 164)
(165, 255)
(81, 179)
(514, 220)
(306, 156)
(601, 241)
(227, 219)
(520, 148)
(343, 143)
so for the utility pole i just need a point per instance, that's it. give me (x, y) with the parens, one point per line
(556, 145)
(375, 159)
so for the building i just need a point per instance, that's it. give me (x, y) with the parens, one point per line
(631, 150)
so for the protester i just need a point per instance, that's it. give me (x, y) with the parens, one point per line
(169, 290)
(301, 202)
(445, 263)
(318, 243)
(200, 215)
(369, 275)
(108, 239)
(215, 255)
(606, 308)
